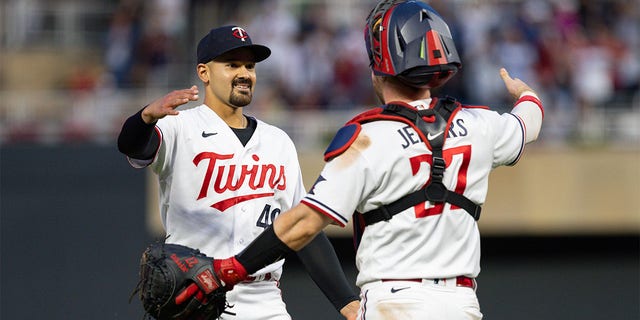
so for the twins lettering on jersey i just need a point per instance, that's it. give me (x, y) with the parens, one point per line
(222, 175)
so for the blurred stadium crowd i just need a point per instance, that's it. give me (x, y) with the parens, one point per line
(583, 56)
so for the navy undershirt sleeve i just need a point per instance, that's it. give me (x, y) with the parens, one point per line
(318, 257)
(322, 264)
(137, 139)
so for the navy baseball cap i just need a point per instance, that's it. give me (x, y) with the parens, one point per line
(224, 39)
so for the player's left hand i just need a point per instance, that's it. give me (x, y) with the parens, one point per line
(515, 86)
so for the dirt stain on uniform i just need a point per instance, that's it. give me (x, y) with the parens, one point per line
(391, 311)
(361, 143)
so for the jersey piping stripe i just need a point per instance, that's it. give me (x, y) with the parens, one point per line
(161, 137)
(523, 128)
(319, 206)
(364, 301)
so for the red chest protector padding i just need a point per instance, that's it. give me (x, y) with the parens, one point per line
(432, 126)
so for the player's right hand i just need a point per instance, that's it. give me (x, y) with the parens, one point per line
(166, 106)
(350, 311)
(515, 86)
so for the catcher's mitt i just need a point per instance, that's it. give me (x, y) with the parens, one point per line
(178, 282)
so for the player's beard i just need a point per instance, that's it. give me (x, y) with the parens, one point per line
(240, 98)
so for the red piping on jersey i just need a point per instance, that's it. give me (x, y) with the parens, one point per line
(534, 100)
(159, 132)
(524, 125)
(318, 209)
(228, 203)
(475, 107)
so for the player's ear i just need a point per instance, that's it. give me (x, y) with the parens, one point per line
(204, 73)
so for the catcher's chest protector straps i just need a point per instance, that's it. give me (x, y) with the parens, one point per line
(432, 126)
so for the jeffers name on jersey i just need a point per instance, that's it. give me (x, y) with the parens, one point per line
(410, 137)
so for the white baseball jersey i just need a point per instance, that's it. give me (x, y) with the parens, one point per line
(216, 194)
(387, 160)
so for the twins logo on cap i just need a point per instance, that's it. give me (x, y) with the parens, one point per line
(239, 33)
(224, 39)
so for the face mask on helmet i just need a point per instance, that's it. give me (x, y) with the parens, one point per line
(409, 40)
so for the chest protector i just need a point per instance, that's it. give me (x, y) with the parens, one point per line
(432, 126)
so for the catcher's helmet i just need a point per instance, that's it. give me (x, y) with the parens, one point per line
(411, 41)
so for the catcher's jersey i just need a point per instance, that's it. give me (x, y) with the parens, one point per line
(216, 194)
(388, 160)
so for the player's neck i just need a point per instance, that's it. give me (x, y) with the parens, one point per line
(405, 94)
(232, 116)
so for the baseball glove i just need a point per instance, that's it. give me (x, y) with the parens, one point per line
(178, 282)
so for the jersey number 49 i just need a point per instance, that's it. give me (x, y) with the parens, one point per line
(267, 216)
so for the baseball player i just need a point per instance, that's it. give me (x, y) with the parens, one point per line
(224, 176)
(415, 171)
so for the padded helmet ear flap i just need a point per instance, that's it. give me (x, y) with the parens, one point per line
(410, 40)
(428, 77)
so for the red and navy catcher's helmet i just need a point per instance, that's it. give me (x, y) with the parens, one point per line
(410, 40)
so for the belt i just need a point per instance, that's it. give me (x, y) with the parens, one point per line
(260, 277)
(461, 281)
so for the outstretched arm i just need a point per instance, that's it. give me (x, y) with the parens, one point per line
(138, 139)
(292, 231)
(166, 106)
(527, 107)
